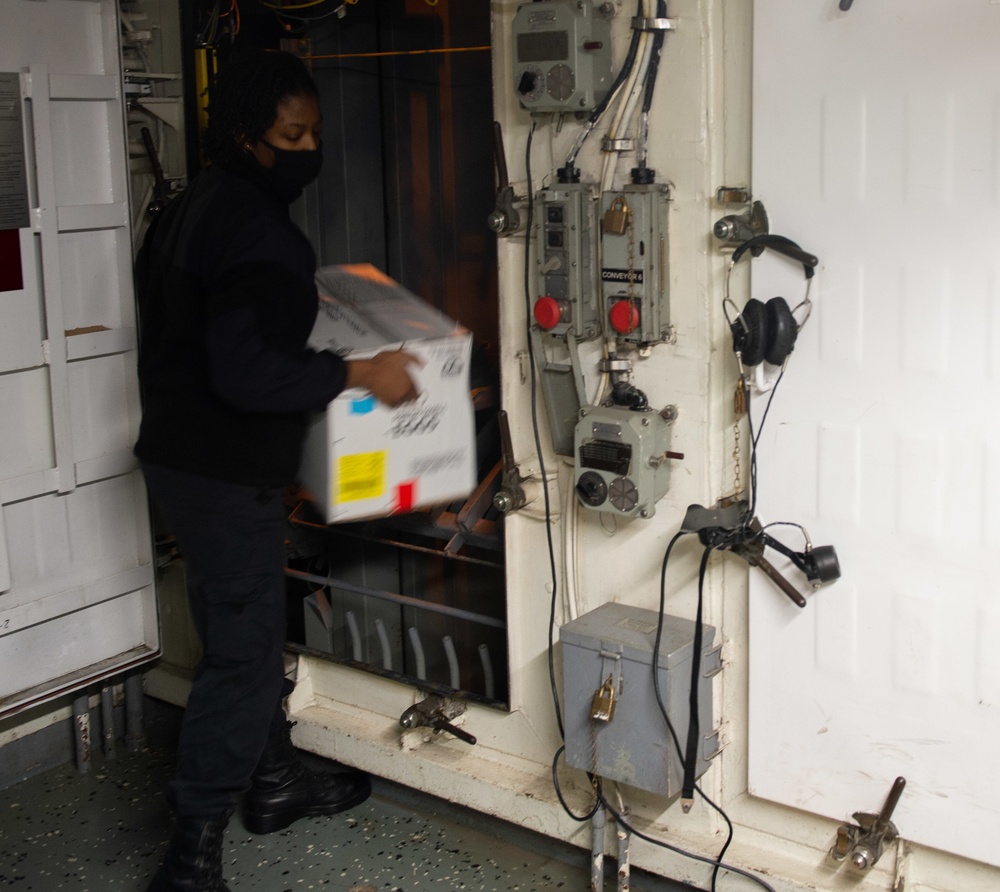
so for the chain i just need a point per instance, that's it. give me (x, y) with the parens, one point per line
(739, 410)
(737, 479)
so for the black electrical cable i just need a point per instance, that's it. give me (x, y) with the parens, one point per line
(537, 435)
(627, 64)
(729, 835)
(650, 82)
(694, 723)
(654, 61)
(555, 783)
(717, 861)
(704, 859)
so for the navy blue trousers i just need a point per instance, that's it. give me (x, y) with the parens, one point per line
(232, 540)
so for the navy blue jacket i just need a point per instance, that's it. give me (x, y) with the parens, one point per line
(227, 299)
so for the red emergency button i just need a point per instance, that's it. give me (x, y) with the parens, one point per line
(548, 312)
(624, 317)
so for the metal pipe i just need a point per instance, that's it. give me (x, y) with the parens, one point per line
(135, 736)
(399, 599)
(597, 825)
(418, 652)
(383, 639)
(352, 626)
(489, 686)
(624, 866)
(449, 652)
(108, 721)
(81, 727)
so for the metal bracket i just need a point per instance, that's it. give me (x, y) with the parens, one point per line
(511, 494)
(435, 712)
(864, 842)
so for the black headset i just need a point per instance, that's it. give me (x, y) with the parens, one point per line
(767, 331)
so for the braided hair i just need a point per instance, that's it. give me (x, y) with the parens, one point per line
(244, 100)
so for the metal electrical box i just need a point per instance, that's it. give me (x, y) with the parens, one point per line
(621, 462)
(615, 641)
(562, 55)
(634, 264)
(567, 261)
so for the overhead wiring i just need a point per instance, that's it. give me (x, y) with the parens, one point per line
(627, 64)
(647, 101)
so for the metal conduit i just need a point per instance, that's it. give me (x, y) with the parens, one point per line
(449, 651)
(457, 612)
(418, 652)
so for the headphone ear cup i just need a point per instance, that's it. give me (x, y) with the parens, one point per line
(782, 330)
(749, 333)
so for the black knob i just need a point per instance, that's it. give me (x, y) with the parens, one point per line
(592, 489)
(527, 84)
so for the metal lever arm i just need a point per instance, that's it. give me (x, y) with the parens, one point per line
(865, 841)
(430, 713)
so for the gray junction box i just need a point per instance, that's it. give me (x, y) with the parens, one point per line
(635, 747)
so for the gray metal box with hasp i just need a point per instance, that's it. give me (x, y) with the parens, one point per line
(615, 641)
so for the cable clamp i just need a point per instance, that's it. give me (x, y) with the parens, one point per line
(641, 24)
(625, 144)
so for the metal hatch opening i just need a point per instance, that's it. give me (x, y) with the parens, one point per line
(408, 185)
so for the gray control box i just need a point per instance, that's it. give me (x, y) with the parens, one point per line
(635, 277)
(562, 55)
(620, 459)
(615, 641)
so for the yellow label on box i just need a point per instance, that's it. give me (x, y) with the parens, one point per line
(360, 476)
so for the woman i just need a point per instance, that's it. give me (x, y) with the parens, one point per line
(227, 300)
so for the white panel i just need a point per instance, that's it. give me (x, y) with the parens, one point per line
(80, 132)
(26, 432)
(4, 560)
(89, 270)
(119, 635)
(79, 604)
(99, 405)
(882, 156)
(73, 35)
(57, 542)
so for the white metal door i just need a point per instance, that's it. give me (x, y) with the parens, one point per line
(877, 147)
(76, 566)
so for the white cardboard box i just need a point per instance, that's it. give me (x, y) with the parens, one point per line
(362, 458)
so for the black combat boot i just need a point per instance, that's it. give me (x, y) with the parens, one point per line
(284, 790)
(194, 860)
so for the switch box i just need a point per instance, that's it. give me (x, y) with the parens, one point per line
(635, 285)
(562, 55)
(635, 747)
(567, 261)
(620, 459)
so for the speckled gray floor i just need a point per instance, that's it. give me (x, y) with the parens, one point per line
(107, 830)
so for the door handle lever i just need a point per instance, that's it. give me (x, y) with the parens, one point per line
(865, 841)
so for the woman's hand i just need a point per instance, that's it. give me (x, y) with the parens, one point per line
(386, 376)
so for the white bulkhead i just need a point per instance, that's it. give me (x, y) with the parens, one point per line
(870, 132)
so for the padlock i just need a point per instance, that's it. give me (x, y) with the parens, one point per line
(616, 217)
(603, 707)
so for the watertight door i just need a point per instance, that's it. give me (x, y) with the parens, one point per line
(76, 567)
(876, 146)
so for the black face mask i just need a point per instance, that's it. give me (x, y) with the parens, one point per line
(294, 170)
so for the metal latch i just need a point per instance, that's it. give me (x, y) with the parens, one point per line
(436, 712)
(864, 843)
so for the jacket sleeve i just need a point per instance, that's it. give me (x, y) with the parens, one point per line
(251, 374)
